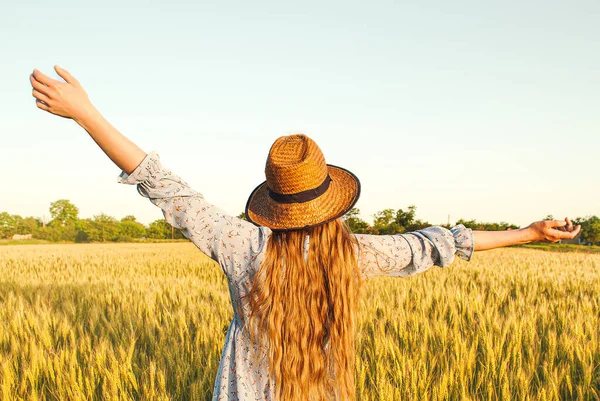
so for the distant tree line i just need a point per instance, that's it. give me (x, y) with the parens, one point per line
(390, 221)
(65, 225)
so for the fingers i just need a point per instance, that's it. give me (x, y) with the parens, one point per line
(569, 235)
(40, 87)
(569, 224)
(557, 223)
(41, 105)
(557, 230)
(40, 96)
(64, 74)
(566, 225)
(44, 79)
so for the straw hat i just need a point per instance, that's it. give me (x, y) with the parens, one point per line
(301, 190)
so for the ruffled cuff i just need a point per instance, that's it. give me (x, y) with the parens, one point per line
(147, 169)
(463, 240)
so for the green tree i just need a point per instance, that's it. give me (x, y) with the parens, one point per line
(129, 217)
(63, 212)
(101, 228)
(131, 229)
(159, 229)
(475, 225)
(7, 225)
(384, 223)
(242, 216)
(11, 224)
(107, 226)
(29, 225)
(354, 222)
(85, 229)
(590, 229)
(389, 221)
(406, 220)
(472, 224)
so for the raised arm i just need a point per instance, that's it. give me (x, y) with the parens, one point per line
(230, 241)
(69, 99)
(545, 230)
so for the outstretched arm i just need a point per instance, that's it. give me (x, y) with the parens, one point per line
(414, 252)
(232, 242)
(407, 254)
(545, 230)
(69, 99)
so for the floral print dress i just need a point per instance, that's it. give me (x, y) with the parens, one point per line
(239, 246)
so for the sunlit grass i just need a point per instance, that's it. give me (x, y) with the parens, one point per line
(148, 321)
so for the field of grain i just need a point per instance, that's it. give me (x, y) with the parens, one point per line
(147, 322)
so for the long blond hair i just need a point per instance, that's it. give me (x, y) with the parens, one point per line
(304, 310)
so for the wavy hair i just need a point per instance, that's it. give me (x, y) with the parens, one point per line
(304, 312)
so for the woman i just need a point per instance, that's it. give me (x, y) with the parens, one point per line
(294, 269)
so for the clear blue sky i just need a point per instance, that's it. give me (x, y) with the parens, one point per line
(478, 110)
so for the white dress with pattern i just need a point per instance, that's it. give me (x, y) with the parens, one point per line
(238, 246)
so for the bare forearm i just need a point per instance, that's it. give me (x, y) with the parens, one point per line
(496, 239)
(124, 153)
(69, 99)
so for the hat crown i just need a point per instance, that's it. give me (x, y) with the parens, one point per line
(295, 164)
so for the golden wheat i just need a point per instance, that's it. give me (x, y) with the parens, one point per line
(147, 322)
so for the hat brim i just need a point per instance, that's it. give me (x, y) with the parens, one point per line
(340, 197)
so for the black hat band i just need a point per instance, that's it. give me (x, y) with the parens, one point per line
(301, 197)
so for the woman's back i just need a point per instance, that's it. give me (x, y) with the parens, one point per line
(240, 248)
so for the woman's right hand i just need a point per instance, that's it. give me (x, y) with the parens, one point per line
(66, 99)
(552, 230)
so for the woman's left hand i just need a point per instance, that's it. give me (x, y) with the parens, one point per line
(552, 230)
(66, 99)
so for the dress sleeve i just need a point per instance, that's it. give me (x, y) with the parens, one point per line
(414, 252)
(232, 242)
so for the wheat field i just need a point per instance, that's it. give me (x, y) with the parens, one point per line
(147, 322)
